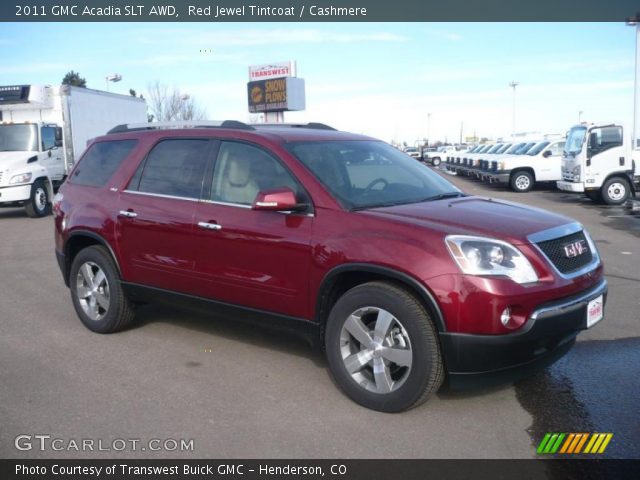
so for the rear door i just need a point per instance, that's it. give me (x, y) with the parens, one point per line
(259, 259)
(156, 214)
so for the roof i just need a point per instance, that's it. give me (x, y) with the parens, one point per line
(280, 133)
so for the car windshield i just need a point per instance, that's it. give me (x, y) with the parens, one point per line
(18, 138)
(495, 148)
(410, 149)
(535, 150)
(367, 174)
(513, 148)
(524, 148)
(504, 148)
(575, 140)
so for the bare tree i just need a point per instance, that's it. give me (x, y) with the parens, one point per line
(169, 104)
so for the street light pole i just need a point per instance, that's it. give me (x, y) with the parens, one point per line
(635, 21)
(580, 112)
(513, 85)
(428, 126)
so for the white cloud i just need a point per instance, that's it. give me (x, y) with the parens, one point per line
(29, 68)
(261, 37)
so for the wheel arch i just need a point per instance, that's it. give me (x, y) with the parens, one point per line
(524, 169)
(344, 277)
(77, 241)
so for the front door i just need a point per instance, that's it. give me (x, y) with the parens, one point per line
(259, 259)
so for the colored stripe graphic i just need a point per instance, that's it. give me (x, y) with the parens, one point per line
(573, 443)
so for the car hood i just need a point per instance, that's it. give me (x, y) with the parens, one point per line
(14, 160)
(475, 216)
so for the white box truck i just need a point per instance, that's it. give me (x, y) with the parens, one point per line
(600, 160)
(44, 130)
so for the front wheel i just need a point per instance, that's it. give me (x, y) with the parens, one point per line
(521, 182)
(615, 191)
(38, 204)
(436, 162)
(382, 348)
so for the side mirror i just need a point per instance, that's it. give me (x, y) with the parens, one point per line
(277, 200)
(546, 154)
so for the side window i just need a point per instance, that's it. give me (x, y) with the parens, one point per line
(242, 171)
(604, 138)
(101, 161)
(557, 148)
(173, 167)
(48, 138)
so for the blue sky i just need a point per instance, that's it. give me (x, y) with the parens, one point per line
(376, 78)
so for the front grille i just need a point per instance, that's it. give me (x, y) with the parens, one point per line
(494, 165)
(555, 252)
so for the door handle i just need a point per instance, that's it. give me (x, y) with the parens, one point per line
(128, 214)
(210, 226)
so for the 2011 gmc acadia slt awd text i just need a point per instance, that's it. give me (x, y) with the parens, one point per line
(403, 279)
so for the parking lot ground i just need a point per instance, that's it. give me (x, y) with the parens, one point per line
(244, 392)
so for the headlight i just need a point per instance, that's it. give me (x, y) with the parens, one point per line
(488, 256)
(502, 166)
(22, 178)
(576, 173)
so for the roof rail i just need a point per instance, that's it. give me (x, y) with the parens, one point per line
(311, 125)
(134, 127)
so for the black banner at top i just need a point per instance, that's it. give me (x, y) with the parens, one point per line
(318, 10)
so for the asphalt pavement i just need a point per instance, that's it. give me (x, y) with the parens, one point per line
(239, 391)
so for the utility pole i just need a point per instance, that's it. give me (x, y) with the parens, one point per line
(461, 126)
(580, 116)
(513, 85)
(428, 126)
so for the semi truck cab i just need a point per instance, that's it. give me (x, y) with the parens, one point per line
(32, 164)
(599, 162)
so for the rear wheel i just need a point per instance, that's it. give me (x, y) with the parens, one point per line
(521, 181)
(38, 203)
(615, 191)
(382, 348)
(436, 161)
(96, 292)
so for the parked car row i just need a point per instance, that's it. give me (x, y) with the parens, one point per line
(519, 165)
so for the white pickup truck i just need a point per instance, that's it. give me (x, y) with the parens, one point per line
(44, 129)
(600, 161)
(541, 163)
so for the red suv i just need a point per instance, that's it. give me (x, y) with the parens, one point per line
(402, 278)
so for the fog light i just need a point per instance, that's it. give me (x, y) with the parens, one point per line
(505, 316)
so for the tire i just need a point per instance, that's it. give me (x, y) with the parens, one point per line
(521, 181)
(436, 161)
(38, 204)
(615, 191)
(594, 195)
(413, 344)
(98, 297)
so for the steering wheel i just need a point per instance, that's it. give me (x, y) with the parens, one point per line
(369, 187)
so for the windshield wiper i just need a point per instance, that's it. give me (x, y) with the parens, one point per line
(442, 196)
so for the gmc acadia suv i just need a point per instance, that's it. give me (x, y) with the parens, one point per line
(402, 278)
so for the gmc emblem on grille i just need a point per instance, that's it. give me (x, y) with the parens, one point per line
(574, 249)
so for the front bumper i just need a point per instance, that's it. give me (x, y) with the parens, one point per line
(547, 335)
(19, 193)
(570, 186)
(499, 177)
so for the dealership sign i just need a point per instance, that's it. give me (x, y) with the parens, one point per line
(276, 95)
(272, 70)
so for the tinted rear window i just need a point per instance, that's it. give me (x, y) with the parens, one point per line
(175, 167)
(101, 161)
